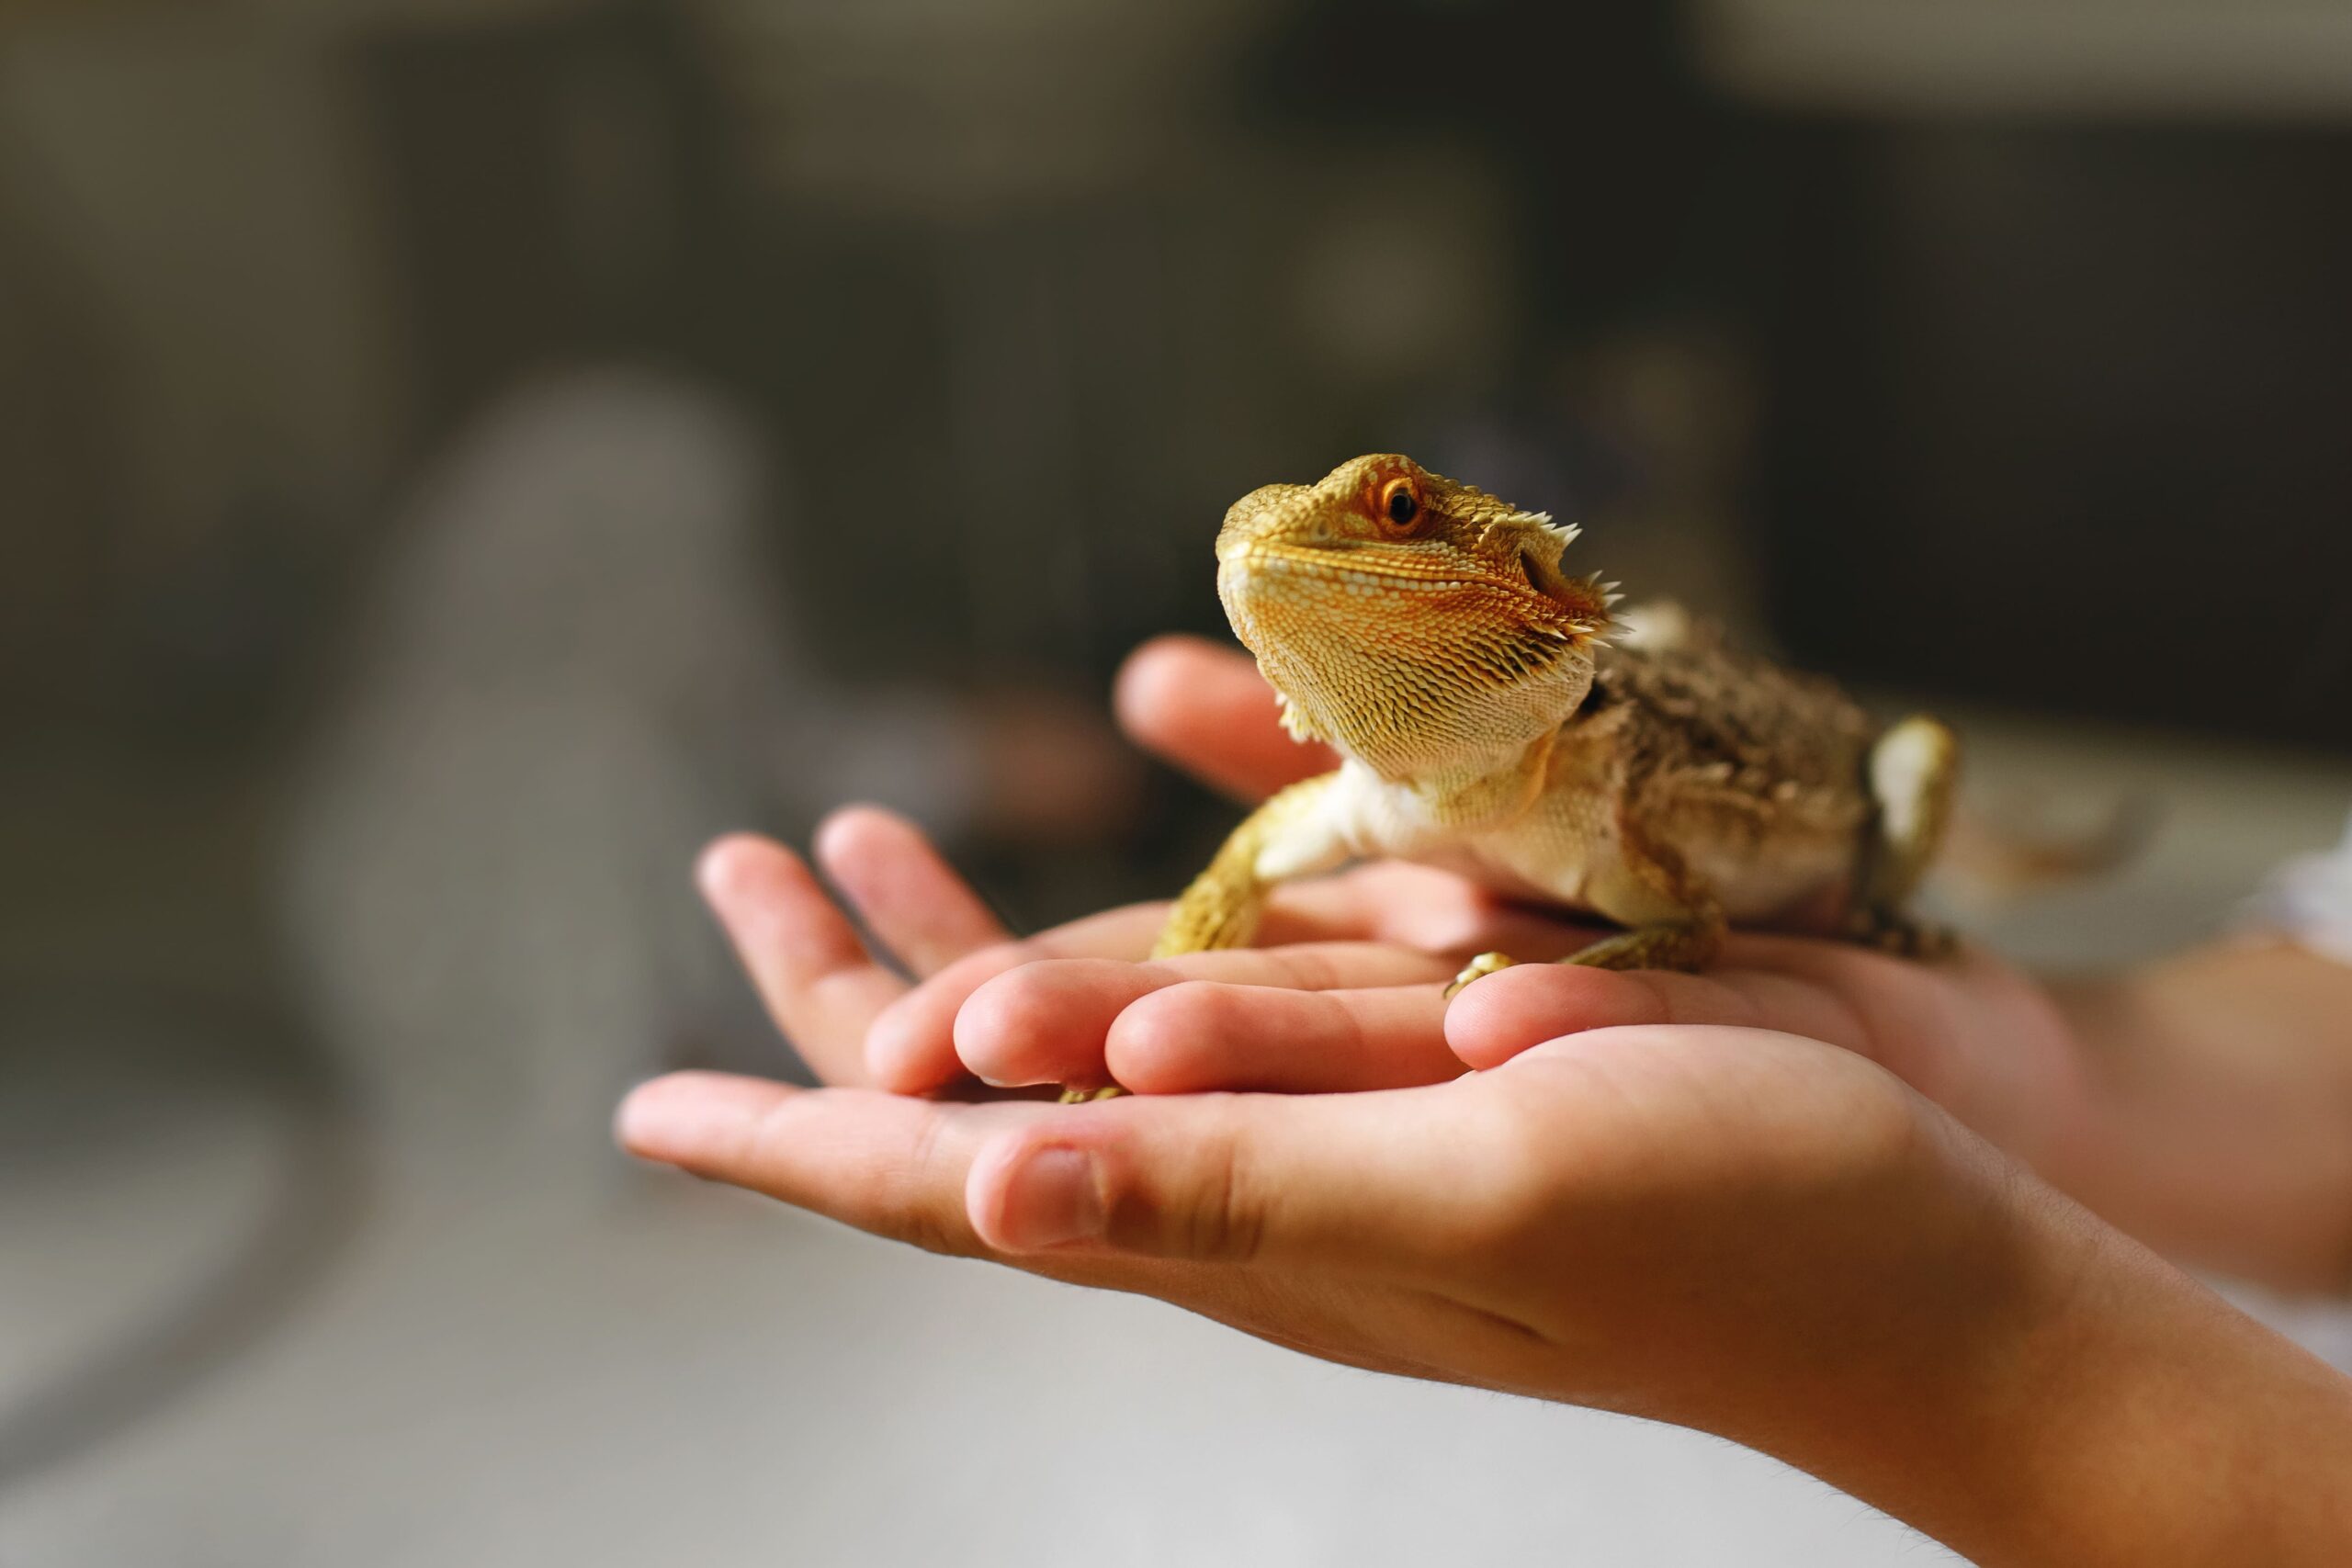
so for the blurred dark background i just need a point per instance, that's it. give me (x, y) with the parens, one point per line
(453, 457)
(1053, 282)
(1988, 354)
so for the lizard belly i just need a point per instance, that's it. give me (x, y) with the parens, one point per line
(1566, 849)
(1554, 852)
(1581, 865)
(1800, 886)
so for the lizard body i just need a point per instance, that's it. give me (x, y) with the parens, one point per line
(1426, 631)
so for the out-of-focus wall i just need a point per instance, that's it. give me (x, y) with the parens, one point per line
(200, 354)
(1852, 329)
(1024, 292)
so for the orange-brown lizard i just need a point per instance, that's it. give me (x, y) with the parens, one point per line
(1425, 630)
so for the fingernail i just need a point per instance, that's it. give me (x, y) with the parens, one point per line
(1051, 1197)
(715, 867)
(675, 1120)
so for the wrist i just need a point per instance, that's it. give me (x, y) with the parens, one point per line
(2145, 1420)
(2219, 1131)
(2107, 1408)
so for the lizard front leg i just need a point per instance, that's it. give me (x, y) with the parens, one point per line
(1288, 836)
(1284, 838)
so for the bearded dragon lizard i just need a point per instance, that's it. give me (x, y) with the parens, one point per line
(1426, 631)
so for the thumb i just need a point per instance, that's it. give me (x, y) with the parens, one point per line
(1206, 709)
(1359, 1183)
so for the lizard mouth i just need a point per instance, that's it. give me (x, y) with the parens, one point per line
(1368, 565)
(1266, 569)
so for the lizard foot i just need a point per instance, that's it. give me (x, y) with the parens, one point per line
(1902, 936)
(1687, 948)
(1478, 968)
(1088, 1096)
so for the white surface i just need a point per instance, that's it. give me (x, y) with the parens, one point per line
(2225, 816)
(685, 1375)
(112, 1204)
(2310, 899)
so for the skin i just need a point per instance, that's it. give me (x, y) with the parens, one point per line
(1642, 1202)
(2202, 1104)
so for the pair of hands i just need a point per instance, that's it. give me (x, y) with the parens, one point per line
(1744, 1202)
(1726, 1201)
(1345, 992)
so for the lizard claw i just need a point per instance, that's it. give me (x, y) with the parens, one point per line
(1902, 935)
(1478, 968)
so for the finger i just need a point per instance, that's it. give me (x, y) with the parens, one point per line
(1202, 1036)
(1208, 710)
(1048, 1022)
(1851, 969)
(1387, 1186)
(912, 898)
(911, 1045)
(820, 985)
(1924, 1022)
(883, 1163)
(1528, 1004)
(899, 1168)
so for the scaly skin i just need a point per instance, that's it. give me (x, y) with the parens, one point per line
(1425, 630)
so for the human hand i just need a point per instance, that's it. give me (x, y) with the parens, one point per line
(1377, 926)
(1397, 929)
(1381, 1231)
(1735, 1230)
(2191, 1102)
(2202, 1102)
(1756, 1233)
(1973, 1034)
(1348, 993)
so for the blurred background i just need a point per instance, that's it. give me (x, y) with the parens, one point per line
(458, 455)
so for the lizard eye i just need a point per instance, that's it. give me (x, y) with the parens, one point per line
(1399, 503)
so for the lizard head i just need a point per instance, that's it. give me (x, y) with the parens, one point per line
(1417, 624)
